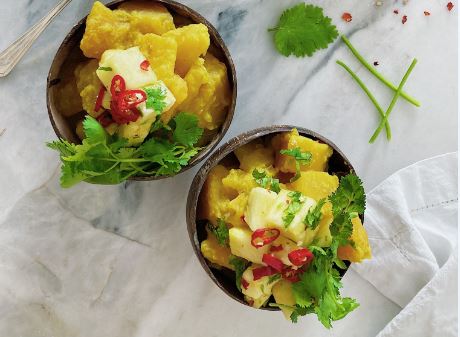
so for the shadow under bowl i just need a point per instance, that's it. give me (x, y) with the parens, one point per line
(225, 279)
(69, 55)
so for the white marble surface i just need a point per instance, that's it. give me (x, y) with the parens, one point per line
(116, 261)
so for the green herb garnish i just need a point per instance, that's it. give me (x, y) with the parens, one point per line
(220, 232)
(273, 278)
(314, 215)
(240, 265)
(105, 68)
(293, 208)
(105, 159)
(300, 157)
(302, 30)
(318, 292)
(265, 181)
(155, 99)
(347, 201)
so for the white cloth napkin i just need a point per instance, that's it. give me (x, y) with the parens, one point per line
(411, 220)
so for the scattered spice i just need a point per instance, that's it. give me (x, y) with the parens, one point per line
(260, 272)
(99, 99)
(450, 5)
(276, 248)
(2, 131)
(376, 63)
(347, 17)
(396, 11)
(273, 262)
(244, 283)
(404, 19)
(426, 13)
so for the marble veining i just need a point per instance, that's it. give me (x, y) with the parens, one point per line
(116, 261)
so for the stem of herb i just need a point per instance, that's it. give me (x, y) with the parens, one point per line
(376, 73)
(393, 101)
(369, 94)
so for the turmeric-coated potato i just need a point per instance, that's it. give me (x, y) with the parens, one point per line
(239, 181)
(314, 184)
(291, 140)
(88, 84)
(255, 155)
(214, 252)
(192, 42)
(148, 17)
(361, 249)
(106, 29)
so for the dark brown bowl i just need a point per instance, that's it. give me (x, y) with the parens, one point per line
(69, 54)
(223, 278)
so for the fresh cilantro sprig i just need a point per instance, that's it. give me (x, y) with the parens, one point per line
(240, 265)
(220, 232)
(295, 204)
(300, 157)
(155, 99)
(265, 181)
(302, 30)
(104, 159)
(318, 292)
(105, 68)
(314, 214)
(348, 201)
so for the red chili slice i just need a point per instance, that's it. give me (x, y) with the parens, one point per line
(130, 98)
(396, 11)
(404, 19)
(117, 86)
(145, 65)
(292, 275)
(264, 236)
(301, 256)
(99, 99)
(244, 283)
(450, 5)
(123, 114)
(273, 262)
(347, 17)
(260, 272)
(105, 119)
(276, 248)
(426, 13)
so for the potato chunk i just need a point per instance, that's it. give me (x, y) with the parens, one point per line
(235, 210)
(161, 52)
(290, 140)
(239, 180)
(214, 198)
(88, 84)
(316, 185)
(282, 291)
(214, 252)
(192, 42)
(240, 245)
(147, 17)
(106, 29)
(255, 155)
(362, 250)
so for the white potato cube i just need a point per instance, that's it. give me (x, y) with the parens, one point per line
(260, 202)
(240, 245)
(169, 98)
(259, 290)
(125, 63)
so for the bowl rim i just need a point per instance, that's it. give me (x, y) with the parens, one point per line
(215, 38)
(213, 160)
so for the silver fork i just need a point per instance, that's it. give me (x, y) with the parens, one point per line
(11, 55)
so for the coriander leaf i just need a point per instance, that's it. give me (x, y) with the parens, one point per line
(349, 196)
(94, 132)
(187, 131)
(302, 30)
(300, 311)
(155, 99)
(314, 214)
(295, 204)
(220, 232)
(318, 291)
(265, 181)
(105, 68)
(300, 157)
(240, 265)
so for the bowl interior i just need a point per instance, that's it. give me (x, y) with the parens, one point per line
(223, 278)
(69, 55)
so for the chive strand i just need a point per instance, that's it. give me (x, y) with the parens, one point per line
(369, 94)
(393, 101)
(376, 73)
